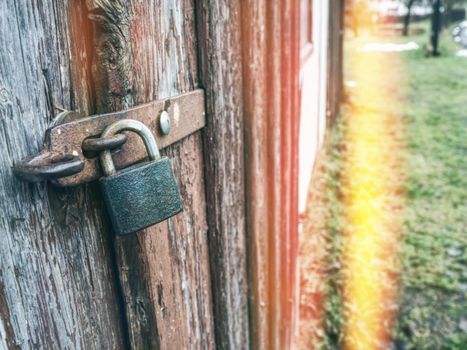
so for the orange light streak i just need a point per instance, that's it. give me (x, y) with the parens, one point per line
(372, 182)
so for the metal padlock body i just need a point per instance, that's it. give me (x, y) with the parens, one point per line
(143, 194)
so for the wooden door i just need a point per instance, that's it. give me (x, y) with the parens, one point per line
(65, 281)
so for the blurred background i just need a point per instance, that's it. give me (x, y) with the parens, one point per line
(383, 237)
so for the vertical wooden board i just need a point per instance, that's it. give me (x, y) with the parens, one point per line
(220, 55)
(56, 283)
(290, 121)
(145, 51)
(172, 271)
(270, 80)
(257, 222)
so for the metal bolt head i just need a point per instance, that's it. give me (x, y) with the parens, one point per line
(164, 123)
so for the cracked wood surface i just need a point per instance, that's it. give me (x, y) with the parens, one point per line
(145, 51)
(65, 281)
(57, 284)
(219, 40)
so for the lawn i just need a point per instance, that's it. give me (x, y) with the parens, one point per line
(433, 303)
(417, 106)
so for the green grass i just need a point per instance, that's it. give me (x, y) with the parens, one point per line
(433, 304)
(433, 249)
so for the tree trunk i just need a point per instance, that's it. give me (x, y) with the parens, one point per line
(335, 58)
(435, 28)
(405, 30)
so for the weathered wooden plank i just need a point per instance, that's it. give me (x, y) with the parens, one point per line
(57, 285)
(147, 50)
(271, 66)
(219, 38)
(164, 269)
(255, 108)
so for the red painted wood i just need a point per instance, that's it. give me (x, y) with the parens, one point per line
(271, 98)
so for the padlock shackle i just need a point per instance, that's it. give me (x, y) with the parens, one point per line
(142, 130)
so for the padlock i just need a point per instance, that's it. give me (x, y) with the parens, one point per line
(143, 194)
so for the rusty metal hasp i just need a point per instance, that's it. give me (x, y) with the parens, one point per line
(70, 154)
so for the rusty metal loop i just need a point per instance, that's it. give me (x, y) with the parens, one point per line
(104, 143)
(136, 126)
(44, 167)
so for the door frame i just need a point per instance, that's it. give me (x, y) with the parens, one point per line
(271, 54)
(249, 54)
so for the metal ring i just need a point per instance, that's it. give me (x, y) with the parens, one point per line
(104, 143)
(108, 167)
(44, 167)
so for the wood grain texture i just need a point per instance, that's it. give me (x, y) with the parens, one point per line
(271, 67)
(145, 51)
(219, 38)
(57, 285)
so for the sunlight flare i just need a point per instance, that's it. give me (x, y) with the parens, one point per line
(371, 177)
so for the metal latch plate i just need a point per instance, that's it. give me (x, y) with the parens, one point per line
(186, 114)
